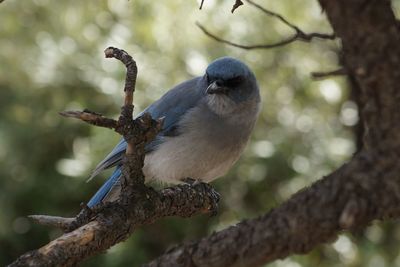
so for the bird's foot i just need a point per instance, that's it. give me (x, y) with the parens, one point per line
(206, 189)
(190, 181)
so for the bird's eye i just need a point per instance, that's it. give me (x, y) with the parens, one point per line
(234, 81)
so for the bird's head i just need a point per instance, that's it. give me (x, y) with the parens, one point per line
(230, 83)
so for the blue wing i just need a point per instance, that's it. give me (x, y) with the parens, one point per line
(173, 105)
(105, 188)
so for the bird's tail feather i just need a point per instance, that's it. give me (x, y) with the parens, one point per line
(111, 160)
(105, 188)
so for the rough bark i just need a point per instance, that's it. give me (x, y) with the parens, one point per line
(98, 228)
(117, 222)
(298, 35)
(365, 189)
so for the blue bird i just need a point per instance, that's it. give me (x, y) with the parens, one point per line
(207, 123)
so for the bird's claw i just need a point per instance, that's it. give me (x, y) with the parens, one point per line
(190, 181)
(208, 190)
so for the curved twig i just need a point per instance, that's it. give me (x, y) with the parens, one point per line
(365, 189)
(299, 34)
(326, 74)
(95, 229)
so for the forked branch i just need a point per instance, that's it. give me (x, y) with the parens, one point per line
(96, 229)
(299, 35)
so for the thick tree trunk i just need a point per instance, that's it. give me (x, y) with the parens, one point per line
(366, 188)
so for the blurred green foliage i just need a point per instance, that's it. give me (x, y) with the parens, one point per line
(51, 60)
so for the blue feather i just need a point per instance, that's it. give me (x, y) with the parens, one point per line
(173, 105)
(105, 188)
(179, 103)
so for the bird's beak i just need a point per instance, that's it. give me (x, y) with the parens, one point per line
(214, 88)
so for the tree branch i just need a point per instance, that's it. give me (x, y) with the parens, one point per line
(96, 229)
(298, 35)
(116, 223)
(327, 74)
(201, 4)
(54, 221)
(91, 118)
(312, 216)
(365, 189)
(236, 5)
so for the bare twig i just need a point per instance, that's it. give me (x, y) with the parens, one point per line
(236, 5)
(131, 73)
(299, 34)
(95, 229)
(116, 223)
(365, 189)
(130, 83)
(337, 202)
(323, 75)
(91, 118)
(55, 221)
(273, 14)
(201, 4)
(247, 47)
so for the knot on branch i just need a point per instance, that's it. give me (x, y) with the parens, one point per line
(113, 220)
(354, 210)
(138, 132)
(203, 197)
(298, 35)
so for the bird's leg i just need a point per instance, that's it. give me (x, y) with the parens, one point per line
(190, 181)
(207, 189)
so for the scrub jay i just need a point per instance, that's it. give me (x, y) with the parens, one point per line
(207, 123)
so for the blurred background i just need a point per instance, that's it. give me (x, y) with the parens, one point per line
(51, 59)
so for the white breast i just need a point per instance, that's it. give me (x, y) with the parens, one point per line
(188, 156)
(206, 149)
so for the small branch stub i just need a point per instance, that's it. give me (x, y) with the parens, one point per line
(201, 4)
(131, 74)
(236, 5)
(96, 229)
(91, 118)
(130, 83)
(328, 74)
(299, 35)
(54, 221)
